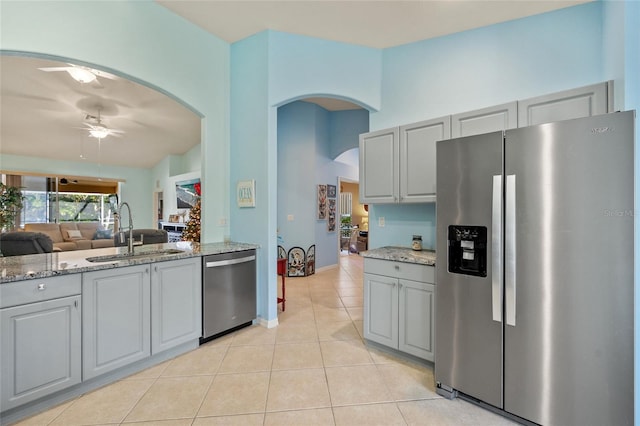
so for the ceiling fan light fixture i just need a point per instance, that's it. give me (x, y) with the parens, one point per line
(81, 75)
(99, 132)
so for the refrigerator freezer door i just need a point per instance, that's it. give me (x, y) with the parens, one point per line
(569, 357)
(468, 340)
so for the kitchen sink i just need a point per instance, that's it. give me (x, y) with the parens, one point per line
(127, 256)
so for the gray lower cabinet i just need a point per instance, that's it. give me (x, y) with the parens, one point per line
(176, 303)
(40, 343)
(116, 320)
(398, 306)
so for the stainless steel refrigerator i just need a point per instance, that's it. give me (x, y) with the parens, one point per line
(534, 288)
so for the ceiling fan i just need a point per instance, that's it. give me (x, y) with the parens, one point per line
(97, 129)
(82, 74)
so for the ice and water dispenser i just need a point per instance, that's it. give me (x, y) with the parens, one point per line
(468, 250)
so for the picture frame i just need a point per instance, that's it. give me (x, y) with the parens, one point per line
(246, 193)
(331, 191)
(174, 218)
(331, 216)
(322, 202)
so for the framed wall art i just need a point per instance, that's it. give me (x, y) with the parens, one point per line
(331, 191)
(322, 202)
(246, 193)
(331, 222)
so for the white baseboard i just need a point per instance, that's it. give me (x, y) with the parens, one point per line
(268, 323)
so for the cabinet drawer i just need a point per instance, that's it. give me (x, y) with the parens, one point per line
(37, 290)
(402, 270)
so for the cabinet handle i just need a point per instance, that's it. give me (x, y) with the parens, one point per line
(42, 287)
(146, 270)
(397, 267)
(75, 303)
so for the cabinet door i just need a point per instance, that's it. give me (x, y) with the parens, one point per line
(176, 293)
(566, 105)
(418, 159)
(379, 166)
(115, 318)
(486, 120)
(416, 332)
(381, 309)
(40, 349)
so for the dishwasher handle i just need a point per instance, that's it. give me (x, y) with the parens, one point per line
(219, 263)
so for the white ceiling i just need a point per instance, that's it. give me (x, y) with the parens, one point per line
(42, 113)
(373, 23)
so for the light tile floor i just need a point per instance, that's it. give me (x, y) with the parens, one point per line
(313, 369)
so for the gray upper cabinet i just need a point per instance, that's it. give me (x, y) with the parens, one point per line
(379, 162)
(115, 319)
(176, 294)
(397, 165)
(418, 158)
(566, 105)
(40, 348)
(485, 120)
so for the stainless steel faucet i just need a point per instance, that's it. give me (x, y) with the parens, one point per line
(131, 242)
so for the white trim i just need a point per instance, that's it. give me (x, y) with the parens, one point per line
(268, 323)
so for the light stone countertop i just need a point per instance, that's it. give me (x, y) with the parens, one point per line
(402, 254)
(19, 268)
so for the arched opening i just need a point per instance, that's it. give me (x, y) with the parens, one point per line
(75, 121)
(313, 135)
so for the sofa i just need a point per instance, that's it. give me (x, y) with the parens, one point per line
(20, 243)
(68, 236)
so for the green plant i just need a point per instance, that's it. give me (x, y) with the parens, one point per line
(10, 204)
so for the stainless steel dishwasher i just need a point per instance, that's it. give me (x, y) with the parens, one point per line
(228, 292)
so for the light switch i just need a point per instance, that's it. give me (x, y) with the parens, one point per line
(381, 222)
(290, 218)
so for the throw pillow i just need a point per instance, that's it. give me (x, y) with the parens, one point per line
(103, 234)
(73, 234)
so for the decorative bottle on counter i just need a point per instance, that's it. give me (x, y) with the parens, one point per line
(417, 242)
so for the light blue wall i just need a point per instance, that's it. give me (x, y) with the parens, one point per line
(343, 126)
(491, 65)
(479, 68)
(268, 70)
(254, 156)
(297, 123)
(149, 44)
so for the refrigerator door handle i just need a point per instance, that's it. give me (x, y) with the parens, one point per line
(496, 249)
(510, 250)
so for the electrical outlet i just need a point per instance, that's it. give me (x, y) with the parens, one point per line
(290, 218)
(222, 222)
(381, 222)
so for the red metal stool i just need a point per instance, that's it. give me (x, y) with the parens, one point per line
(282, 271)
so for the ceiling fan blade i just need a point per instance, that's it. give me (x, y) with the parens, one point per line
(51, 69)
(104, 74)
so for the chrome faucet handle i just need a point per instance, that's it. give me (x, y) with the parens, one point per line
(139, 242)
